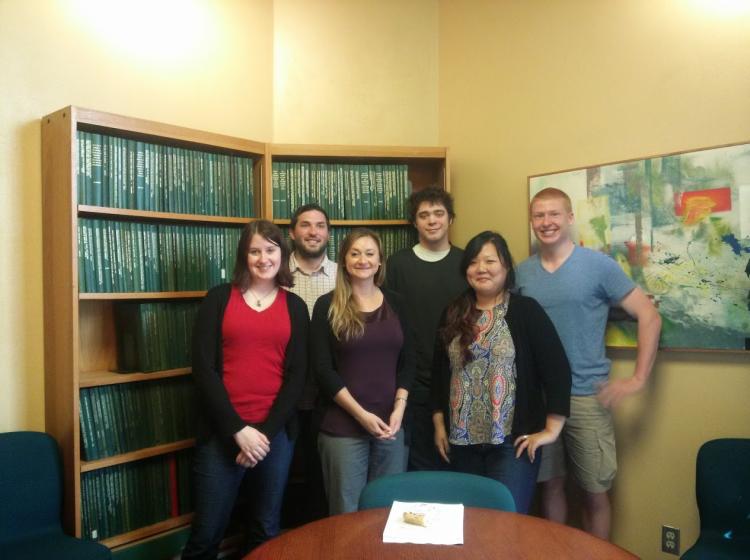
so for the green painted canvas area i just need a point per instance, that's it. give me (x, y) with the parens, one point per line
(679, 226)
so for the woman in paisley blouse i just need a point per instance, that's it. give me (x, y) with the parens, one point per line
(501, 380)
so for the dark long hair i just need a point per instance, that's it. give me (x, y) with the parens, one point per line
(462, 313)
(272, 233)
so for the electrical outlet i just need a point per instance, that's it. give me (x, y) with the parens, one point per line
(670, 540)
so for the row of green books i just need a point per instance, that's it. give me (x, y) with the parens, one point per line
(154, 336)
(393, 238)
(125, 417)
(345, 191)
(125, 497)
(125, 173)
(116, 256)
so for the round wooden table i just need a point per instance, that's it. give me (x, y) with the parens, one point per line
(488, 534)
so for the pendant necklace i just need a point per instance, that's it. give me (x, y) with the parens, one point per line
(259, 299)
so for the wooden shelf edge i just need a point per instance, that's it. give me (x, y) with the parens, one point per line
(87, 466)
(140, 295)
(167, 131)
(342, 151)
(89, 210)
(353, 223)
(149, 530)
(99, 378)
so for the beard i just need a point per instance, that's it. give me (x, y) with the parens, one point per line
(301, 250)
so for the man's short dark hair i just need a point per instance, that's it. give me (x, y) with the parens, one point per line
(307, 208)
(433, 195)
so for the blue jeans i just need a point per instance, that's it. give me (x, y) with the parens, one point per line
(499, 462)
(217, 484)
(349, 463)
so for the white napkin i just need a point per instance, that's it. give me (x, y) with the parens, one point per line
(445, 524)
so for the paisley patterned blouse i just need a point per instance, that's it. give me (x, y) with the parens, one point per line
(483, 390)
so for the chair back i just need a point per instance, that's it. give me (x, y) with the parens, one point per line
(722, 485)
(30, 485)
(437, 486)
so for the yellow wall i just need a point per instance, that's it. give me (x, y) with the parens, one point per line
(533, 87)
(355, 72)
(512, 87)
(349, 72)
(207, 67)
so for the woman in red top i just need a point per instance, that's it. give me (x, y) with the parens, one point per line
(249, 364)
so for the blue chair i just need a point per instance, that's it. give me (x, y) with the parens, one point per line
(31, 502)
(722, 490)
(444, 487)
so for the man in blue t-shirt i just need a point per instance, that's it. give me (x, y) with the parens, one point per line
(577, 286)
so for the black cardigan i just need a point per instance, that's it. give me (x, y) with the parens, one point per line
(323, 353)
(217, 415)
(543, 375)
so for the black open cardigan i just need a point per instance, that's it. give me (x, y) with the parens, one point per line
(216, 414)
(543, 375)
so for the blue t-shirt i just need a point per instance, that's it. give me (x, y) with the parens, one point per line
(577, 297)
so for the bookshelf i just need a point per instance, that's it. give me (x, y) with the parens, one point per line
(357, 186)
(136, 226)
(132, 210)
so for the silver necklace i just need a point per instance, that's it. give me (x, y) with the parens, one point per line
(259, 299)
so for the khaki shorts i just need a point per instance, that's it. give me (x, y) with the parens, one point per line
(588, 440)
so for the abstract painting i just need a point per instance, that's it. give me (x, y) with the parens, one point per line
(679, 226)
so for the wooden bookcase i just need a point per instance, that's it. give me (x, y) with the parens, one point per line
(80, 342)
(420, 167)
(80, 339)
(426, 166)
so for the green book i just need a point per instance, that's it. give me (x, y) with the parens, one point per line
(83, 250)
(98, 256)
(88, 185)
(81, 167)
(90, 451)
(108, 170)
(96, 169)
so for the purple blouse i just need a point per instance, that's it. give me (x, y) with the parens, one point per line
(367, 366)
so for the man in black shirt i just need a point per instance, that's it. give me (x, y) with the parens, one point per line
(428, 276)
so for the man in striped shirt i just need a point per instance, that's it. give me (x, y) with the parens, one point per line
(314, 275)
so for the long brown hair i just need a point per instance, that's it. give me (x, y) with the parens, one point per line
(346, 320)
(462, 313)
(272, 233)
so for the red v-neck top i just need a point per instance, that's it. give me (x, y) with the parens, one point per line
(254, 345)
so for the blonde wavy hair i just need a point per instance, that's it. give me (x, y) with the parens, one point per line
(346, 320)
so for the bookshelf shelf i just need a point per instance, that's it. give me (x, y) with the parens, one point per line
(100, 378)
(176, 184)
(354, 223)
(367, 153)
(112, 296)
(149, 531)
(148, 215)
(145, 453)
(358, 186)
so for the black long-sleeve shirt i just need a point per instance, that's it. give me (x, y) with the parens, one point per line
(427, 287)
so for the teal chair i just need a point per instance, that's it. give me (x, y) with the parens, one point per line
(722, 490)
(437, 486)
(31, 502)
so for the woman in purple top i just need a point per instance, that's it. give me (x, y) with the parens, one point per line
(364, 360)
